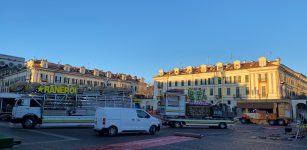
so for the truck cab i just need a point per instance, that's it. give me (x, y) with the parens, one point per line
(7, 101)
(27, 111)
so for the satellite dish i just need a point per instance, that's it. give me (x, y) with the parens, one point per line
(19, 66)
(11, 65)
(2, 64)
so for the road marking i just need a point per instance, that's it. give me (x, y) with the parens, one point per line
(52, 134)
(46, 142)
(135, 145)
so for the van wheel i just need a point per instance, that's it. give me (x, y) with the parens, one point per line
(243, 121)
(281, 122)
(29, 122)
(152, 130)
(223, 125)
(177, 125)
(112, 131)
(272, 122)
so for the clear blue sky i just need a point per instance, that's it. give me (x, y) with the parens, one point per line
(141, 36)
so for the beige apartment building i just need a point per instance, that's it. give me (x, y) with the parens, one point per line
(48, 73)
(231, 82)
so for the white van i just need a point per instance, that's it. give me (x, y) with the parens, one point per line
(120, 120)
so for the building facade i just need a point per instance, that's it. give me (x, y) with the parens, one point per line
(232, 82)
(47, 73)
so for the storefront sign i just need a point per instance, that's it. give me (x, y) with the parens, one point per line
(57, 90)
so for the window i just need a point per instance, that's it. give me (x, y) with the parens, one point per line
(196, 82)
(205, 81)
(58, 79)
(82, 82)
(235, 79)
(237, 92)
(173, 101)
(176, 83)
(73, 81)
(263, 93)
(246, 78)
(211, 91)
(115, 85)
(219, 80)
(229, 102)
(209, 81)
(20, 102)
(66, 80)
(239, 79)
(263, 77)
(44, 77)
(160, 85)
(228, 91)
(219, 92)
(170, 84)
(212, 81)
(247, 91)
(201, 82)
(182, 83)
(189, 82)
(34, 103)
(142, 114)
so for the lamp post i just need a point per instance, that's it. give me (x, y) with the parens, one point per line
(223, 83)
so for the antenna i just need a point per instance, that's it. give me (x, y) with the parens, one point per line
(270, 55)
(208, 59)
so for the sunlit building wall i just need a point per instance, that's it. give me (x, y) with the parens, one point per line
(44, 72)
(230, 82)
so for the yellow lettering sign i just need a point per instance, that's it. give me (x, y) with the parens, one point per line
(57, 90)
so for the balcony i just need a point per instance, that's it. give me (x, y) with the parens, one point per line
(218, 96)
(237, 96)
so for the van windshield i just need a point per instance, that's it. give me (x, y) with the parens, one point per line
(142, 114)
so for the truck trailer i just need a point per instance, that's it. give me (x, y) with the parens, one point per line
(177, 112)
(64, 110)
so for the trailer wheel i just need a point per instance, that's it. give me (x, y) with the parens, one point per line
(272, 122)
(223, 125)
(29, 122)
(281, 122)
(177, 124)
(243, 120)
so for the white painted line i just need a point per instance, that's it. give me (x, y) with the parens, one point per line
(41, 132)
(45, 142)
(52, 134)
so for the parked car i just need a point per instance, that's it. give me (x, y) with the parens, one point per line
(122, 120)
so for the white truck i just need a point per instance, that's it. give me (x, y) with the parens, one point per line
(7, 101)
(176, 112)
(63, 110)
